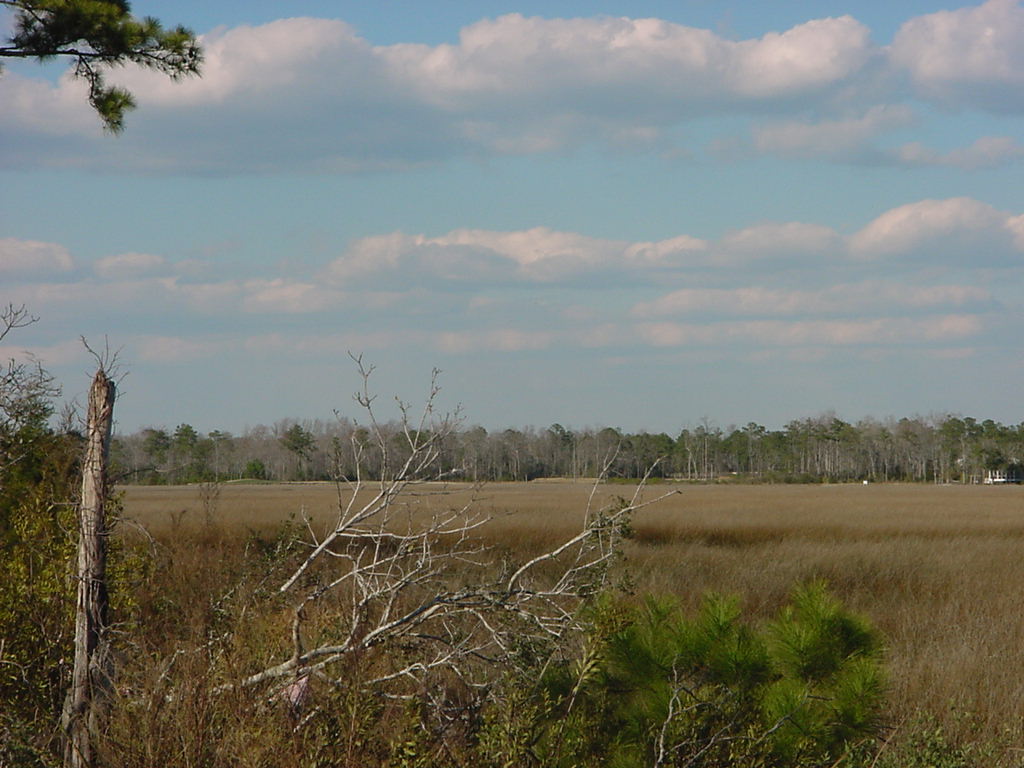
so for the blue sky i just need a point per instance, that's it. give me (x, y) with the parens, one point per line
(634, 214)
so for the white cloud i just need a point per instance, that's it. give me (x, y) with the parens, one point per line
(986, 152)
(473, 256)
(463, 256)
(1015, 225)
(960, 229)
(127, 265)
(931, 296)
(789, 239)
(872, 331)
(525, 85)
(318, 345)
(839, 299)
(253, 64)
(86, 298)
(818, 53)
(542, 255)
(510, 85)
(208, 297)
(473, 290)
(35, 105)
(674, 251)
(288, 297)
(845, 138)
(516, 57)
(498, 340)
(973, 55)
(33, 257)
(130, 296)
(172, 349)
(518, 84)
(855, 140)
(401, 274)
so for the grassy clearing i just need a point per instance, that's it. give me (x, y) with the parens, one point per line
(939, 569)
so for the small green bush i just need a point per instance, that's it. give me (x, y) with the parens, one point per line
(654, 687)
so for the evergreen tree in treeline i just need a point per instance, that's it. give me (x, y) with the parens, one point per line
(824, 448)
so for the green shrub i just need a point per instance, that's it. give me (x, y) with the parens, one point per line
(654, 687)
(37, 596)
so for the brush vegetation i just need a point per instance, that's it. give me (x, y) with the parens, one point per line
(909, 657)
(934, 569)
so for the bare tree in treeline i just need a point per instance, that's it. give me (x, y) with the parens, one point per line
(941, 448)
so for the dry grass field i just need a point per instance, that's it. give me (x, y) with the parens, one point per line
(938, 569)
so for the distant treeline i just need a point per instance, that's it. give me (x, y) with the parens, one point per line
(819, 449)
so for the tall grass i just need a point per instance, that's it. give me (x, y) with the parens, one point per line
(938, 569)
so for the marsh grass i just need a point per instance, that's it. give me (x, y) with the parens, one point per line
(939, 569)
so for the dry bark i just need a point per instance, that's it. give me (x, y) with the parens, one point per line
(84, 704)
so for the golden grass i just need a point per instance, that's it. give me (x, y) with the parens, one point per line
(939, 569)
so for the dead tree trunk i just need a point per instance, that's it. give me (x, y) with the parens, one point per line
(90, 675)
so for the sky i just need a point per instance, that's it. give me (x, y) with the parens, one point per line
(638, 214)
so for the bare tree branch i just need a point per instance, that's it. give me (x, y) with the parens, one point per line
(395, 576)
